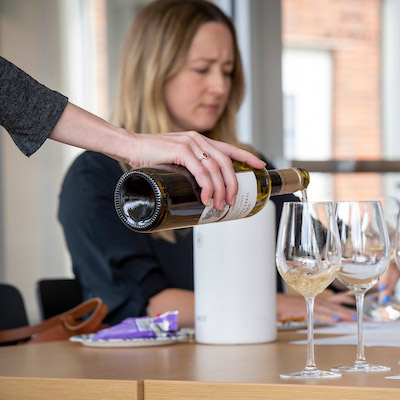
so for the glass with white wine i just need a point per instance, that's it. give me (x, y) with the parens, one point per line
(365, 257)
(308, 258)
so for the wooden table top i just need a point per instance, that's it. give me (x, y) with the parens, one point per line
(201, 368)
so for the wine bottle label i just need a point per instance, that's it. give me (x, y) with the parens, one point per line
(211, 214)
(246, 199)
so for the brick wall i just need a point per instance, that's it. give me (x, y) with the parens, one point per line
(351, 31)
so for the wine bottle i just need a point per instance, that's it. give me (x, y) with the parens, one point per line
(168, 197)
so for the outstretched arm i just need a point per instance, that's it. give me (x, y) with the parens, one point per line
(174, 299)
(215, 175)
(31, 113)
(328, 308)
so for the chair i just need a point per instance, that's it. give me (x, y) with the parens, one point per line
(58, 295)
(12, 309)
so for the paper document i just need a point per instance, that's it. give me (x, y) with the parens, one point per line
(393, 377)
(385, 334)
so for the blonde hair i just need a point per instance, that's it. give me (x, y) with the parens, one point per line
(156, 47)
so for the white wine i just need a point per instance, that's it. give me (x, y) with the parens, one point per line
(359, 274)
(309, 284)
(168, 197)
(357, 280)
(304, 196)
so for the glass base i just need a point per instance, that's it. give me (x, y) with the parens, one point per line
(361, 367)
(311, 374)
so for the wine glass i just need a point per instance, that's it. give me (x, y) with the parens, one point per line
(388, 310)
(365, 257)
(396, 245)
(308, 258)
(396, 250)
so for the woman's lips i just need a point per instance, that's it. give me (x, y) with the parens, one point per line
(210, 107)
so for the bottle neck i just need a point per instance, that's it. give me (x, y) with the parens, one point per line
(284, 181)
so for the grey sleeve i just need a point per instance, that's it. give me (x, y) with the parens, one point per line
(28, 110)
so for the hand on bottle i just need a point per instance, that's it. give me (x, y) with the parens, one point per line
(327, 308)
(387, 283)
(214, 175)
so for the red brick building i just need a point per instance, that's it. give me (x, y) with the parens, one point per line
(351, 32)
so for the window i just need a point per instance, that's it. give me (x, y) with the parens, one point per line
(307, 95)
(337, 57)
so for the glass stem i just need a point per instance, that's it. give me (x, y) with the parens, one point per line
(360, 343)
(310, 334)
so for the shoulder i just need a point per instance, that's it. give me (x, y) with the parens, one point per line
(94, 165)
(89, 160)
(91, 175)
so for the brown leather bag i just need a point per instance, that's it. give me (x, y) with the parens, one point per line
(61, 326)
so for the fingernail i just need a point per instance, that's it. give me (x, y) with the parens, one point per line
(382, 287)
(336, 318)
(386, 299)
(208, 202)
(354, 316)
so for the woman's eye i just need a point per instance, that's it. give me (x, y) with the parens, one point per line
(228, 73)
(201, 70)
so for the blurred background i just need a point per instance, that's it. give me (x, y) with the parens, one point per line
(323, 91)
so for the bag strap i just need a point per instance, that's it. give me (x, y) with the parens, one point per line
(70, 321)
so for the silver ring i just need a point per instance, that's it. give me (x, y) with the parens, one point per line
(204, 156)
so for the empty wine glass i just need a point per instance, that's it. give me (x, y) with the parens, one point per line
(365, 257)
(308, 259)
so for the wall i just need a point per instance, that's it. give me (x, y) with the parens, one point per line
(33, 245)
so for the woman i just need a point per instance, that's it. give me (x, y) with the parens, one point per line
(182, 57)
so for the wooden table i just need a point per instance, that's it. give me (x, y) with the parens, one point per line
(64, 370)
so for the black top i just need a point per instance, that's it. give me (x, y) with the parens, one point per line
(121, 266)
(28, 110)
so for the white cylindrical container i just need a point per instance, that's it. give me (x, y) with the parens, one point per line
(235, 280)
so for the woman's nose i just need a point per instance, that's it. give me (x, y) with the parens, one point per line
(218, 83)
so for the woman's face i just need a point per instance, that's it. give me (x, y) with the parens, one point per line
(197, 95)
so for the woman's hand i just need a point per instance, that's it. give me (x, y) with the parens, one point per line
(215, 175)
(173, 299)
(327, 308)
(387, 283)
